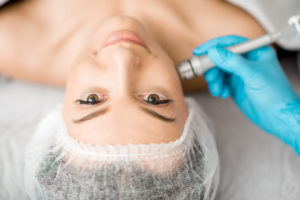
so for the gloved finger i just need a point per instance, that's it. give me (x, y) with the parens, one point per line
(237, 89)
(263, 52)
(231, 62)
(220, 41)
(216, 87)
(226, 86)
(225, 93)
(212, 74)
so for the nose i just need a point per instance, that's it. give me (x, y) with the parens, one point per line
(122, 63)
(120, 57)
(125, 59)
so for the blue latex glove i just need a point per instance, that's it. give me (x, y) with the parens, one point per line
(257, 85)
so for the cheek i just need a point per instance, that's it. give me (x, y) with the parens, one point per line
(164, 74)
(67, 107)
(73, 80)
(160, 68)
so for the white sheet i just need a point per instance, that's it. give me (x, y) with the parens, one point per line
(273, 15)
(254, 165)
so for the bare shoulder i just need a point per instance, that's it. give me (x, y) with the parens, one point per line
(221, 18)
(5, 35)
(214, 18)
(20, 39)
(10, 16)
(239, 20)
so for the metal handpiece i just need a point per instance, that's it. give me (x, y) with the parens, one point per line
(197, 65)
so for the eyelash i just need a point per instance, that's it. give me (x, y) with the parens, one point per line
(157, 103)
(165, 101)
(160, 102)
(80, 101)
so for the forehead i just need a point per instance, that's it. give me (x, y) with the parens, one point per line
(125, 124)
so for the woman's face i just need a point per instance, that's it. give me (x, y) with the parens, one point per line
(124, 89)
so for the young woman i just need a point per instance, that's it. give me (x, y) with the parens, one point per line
(126, 131)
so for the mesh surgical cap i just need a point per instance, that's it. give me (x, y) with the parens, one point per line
(59, 167)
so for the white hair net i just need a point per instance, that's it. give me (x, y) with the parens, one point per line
(60, 167)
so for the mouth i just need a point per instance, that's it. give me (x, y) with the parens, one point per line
(124, 36)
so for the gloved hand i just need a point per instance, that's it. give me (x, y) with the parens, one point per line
(257, 85)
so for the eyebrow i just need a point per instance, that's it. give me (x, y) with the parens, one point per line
(157, 115)
(104, 110)
(92, 115)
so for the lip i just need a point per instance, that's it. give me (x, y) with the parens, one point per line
(123, 36)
